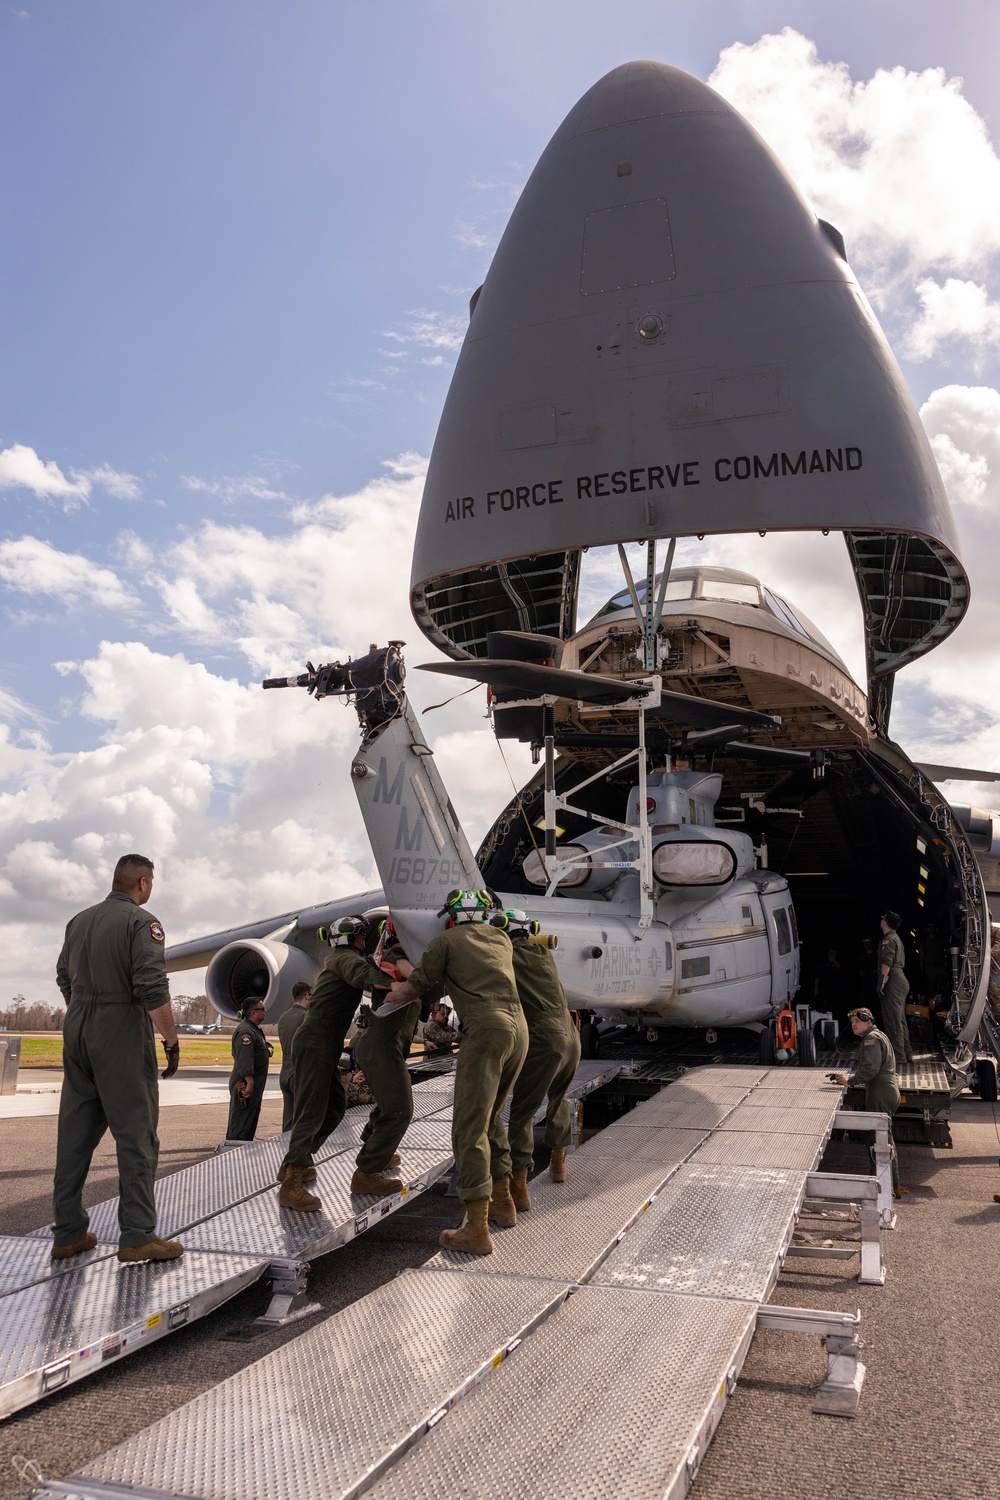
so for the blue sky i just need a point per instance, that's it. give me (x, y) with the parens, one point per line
(239, 247)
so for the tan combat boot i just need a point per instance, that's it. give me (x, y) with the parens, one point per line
(519, 1190)
(473, 1235)
(308, 1173)
(375, 1182)
(557, 1164)
(155, 1249)
(85, 1242)
(292, 1194)
(501, 1206)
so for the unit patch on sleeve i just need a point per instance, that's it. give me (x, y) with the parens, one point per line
(156, 931)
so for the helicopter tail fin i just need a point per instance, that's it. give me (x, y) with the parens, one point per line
(419, 846)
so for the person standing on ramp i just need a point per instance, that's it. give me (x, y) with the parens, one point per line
(382, 1050)
(552, 1058)
(320, 1101)
(475, 965)
(113, 978)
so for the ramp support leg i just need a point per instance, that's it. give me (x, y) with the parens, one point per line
(842, 1187)
(289, 1294)
(839, 1392)
(863, 1119)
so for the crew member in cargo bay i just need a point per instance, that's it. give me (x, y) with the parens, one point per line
(893, 987)
(113, 978)
(320, 1101)
(474, 962)
(551, 1061)
(251, 1058)
(876, 1073)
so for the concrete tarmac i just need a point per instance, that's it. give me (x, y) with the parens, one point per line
(929, 1423)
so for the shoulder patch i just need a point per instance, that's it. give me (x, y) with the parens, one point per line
(245, 1040)
(156, 931)
(869, 1042)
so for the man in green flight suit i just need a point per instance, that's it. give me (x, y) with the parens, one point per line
(551, 1061)
(382, 1050)
(288, 1024)
(251, 1059)
(893, 987)
(320, 1101)
(475, 964)
(112, 975)
(876, 1071)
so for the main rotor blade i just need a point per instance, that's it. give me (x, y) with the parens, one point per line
(532, 681)
(768, 755)
(589, 687)
(955, 773)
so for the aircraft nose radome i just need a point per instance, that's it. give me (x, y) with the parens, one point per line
(635, 91)
(667, 342)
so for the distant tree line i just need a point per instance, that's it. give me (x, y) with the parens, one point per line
(20, 1015)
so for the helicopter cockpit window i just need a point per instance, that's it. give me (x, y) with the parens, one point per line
(782, 929)
(780, 608)
(693, 863)
(728, 591)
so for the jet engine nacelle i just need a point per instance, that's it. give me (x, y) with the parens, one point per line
(257, 968)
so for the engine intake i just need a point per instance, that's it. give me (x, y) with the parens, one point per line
(257, 969)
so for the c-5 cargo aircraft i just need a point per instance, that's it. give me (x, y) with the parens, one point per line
(668, 343)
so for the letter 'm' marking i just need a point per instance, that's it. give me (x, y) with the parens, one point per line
(798, 467)
(383, 791)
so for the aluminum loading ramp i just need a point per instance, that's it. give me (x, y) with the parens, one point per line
(60, 1321)
(632, 1289)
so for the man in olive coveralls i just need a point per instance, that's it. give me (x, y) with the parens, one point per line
(551, 1061)
(288, 1024)
(876, 1070)
(893, 987)
(475, 964)
(112, 975)
(320, 1101)
(381, 1050)
(251, 1060)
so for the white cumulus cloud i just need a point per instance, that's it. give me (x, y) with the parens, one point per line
(901, 163)
(33, 566)
(21, 468)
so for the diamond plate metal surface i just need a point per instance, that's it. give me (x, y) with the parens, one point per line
(571, 1225)
(658, 1144)
(643, 1384)
(323, 1413)
(260, 1224)
(733, 1148)
(713, 1092)
(803, 1080)
(716, 1230)
(685, 1114)
(827, 1098)
(23, 1261)
(61, 1330)
(782, 1119)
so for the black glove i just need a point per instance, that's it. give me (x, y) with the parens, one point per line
(173, 1059)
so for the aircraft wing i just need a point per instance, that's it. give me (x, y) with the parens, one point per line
(954, 773)
(197, 952)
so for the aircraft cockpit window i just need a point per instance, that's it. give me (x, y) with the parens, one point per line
(677, 588)
(783, 930)
(693, 863)
(728, 591)
(780, 608)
